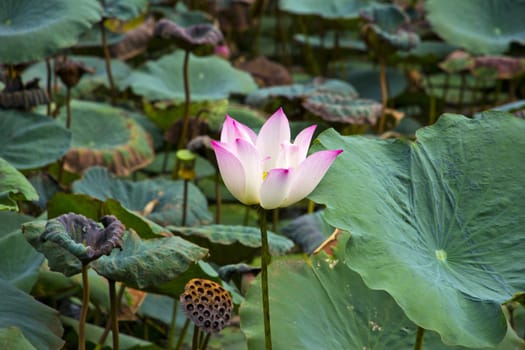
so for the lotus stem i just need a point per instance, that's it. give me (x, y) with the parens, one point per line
(311, 207)
(68, 126)
(187, 98)
(107, 58)
(218, 198)
(195, 341)
(109, 323)
(48, 86)
(462, 88)
(84, 309)
(114, 302)
(173, 325)
(419, 338)
(265, 261)
(432, 110)
(182, 334)
(185, 202)
(384, 94)
(275, 219)
(204, 344)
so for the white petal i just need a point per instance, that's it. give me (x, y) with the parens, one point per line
(273, 133)
(302, 141)
(308, 175)
(231, 170)
(232, 130)
(288, 156)
(274, 188)
(252, 165)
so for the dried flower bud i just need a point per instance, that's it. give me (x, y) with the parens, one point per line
(71, 71)
(207, 304)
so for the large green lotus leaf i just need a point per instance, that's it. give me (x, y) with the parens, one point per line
(19, 262)
(329, 9)
(12, 221)
(300, 91)
(38, 322)
(63, 203)
(340, 108)
(145, 263)
(13, 186)
(29, 140)
(106, 136)
(31, 30)
(13, 338)
(308, 231)
(159, 199)
(232, 244)
(211, 78)
(89, 82)
(437, 223)
(307, 295)
(480, 26)
(124, 9)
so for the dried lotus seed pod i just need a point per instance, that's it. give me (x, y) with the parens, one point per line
(207, 304)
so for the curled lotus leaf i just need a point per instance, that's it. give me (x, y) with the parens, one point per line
(341, 108)
(383, 29)
(31, 30)
(506, 67)
(200, 39)
(106, 136)
(83, 237)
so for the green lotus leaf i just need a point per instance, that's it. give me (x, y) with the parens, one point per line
(105, 135)
(13, 338)
(300, 91)
(31, 30)
(338, 107)
(329, 9)
(29, 140)
(459, 89)
(307, 294)
(124, 10)
(89, 82)
(232, 244)
(427, 52)
(14, 186)
(145, 263)
(211, 78)
(160, 200)
(63, 203)
(39, 323)
(308, 231)
(436, 223)
(479, 26)
(19, 262)
(332, 41)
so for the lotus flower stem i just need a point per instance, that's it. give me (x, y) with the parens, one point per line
(68, 126)
(84, 309)
(114, 302)
(187, 98)
(107, 58)
(185, 202)
(173, 325)
(195, 341)
(48, 86)
(419, 338)
(109, 323)
(204, 343)
(182, 334)
(218, 198)
(265, 261)
(384, 94)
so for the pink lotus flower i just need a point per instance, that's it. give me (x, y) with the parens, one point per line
(267, 169)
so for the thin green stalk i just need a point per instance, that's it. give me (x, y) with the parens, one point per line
(48, 86)
(265, 261)
(84, 309)
(204, 344)
(114, 302)
(173, 325)
(195, 341)
(68, 126)
(419, 338)
(218, 197)
(109, 323)
(107, 59)
(384, 95)
(187, 99)
(185, 202)
(275, 219)
(182, 334)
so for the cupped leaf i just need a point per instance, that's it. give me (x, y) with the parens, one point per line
(106, 136)
(338, 107)
(145, 263)
(307, 294)
(330, 9)
(232, 244)
(436, 223)
(480, 26)
(160, 200)
(29, 140)
(39, 323)
(14, 186)
(211, 78)
(31, 30)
